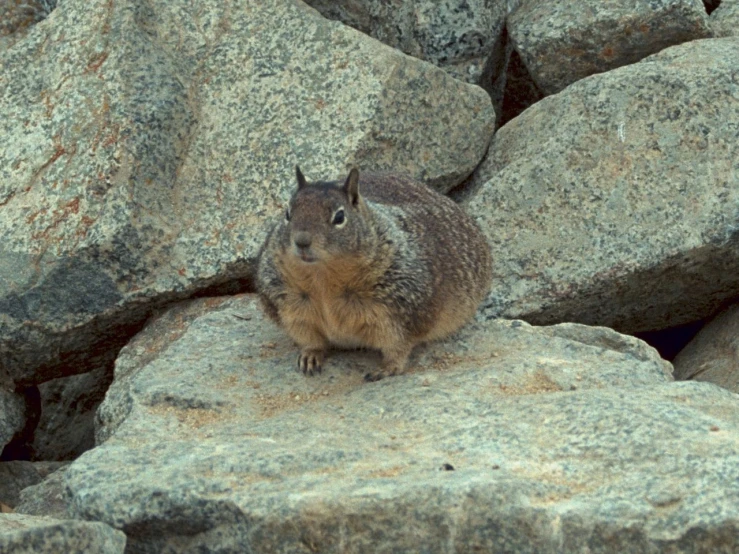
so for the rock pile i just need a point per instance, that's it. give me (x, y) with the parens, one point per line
(144, 146)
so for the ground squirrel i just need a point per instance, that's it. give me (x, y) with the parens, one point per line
(384, 262)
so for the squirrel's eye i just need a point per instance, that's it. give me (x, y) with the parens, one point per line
(287, 214)
(339, 217)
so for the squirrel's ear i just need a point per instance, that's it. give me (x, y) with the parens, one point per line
(301, 179)
(351, 186)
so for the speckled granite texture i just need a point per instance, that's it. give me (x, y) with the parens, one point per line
(504, 438)
(725, 19)
(23, 534)
(466, 39)
(616, 201)
(562, 42)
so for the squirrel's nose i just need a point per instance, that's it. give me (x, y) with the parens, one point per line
(302, 240)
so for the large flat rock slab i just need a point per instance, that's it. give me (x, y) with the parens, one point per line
(615, 201)
(23, 534)
(506, 437)
(143, 146)
(248, 349)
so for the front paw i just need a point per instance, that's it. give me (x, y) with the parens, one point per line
(382, 372)
(394, 362)
(373, 376)
(310, 361)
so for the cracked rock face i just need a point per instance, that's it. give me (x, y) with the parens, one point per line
(562, 42)
(615, 202)
(506, 437)
(144, 145)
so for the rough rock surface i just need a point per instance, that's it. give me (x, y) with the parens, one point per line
(152, 363)
(12, 416)
(713, 355)
(464, 38)
(45, 498)
(17, 16)
(616, 201)
(17, 475)
(725, 19)
(144, 144)
(66, 427)
(23, 534)
(506, 437)
(561, 41)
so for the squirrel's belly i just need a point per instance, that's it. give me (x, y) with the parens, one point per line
(349, 323)
(343, 341)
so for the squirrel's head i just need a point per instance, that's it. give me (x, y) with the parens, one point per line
(325, 220)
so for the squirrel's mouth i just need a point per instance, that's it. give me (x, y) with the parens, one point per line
(306, 257)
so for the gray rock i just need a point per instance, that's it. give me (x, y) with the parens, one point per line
(615, 202)
(466, 38)
(562, 42)
(66, 427)
(143, 145)
(18, 475)
(23, 534)
(713, 355)
(17, 16)
(46, 498)
(12, 416)
(725, 19)
(220, 444)
(460, 36)
(173, 360)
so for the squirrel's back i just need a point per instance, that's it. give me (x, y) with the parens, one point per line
(449, 244)
(382, 261)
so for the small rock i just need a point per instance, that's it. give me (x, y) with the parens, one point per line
(713, 355)
(24, 534)
(45, 498)
(18, 475)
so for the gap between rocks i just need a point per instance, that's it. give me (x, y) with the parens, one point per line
(33, 443)
(711, 5)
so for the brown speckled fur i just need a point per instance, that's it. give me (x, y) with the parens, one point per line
(407, 266)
